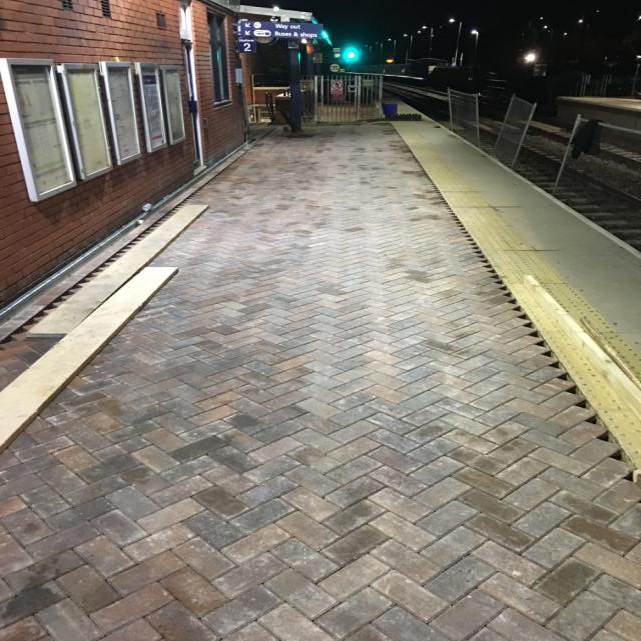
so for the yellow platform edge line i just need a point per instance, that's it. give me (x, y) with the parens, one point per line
(62, 319)
(525, 273)
(25, 396)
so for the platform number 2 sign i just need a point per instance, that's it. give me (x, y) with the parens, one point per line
(247, 46)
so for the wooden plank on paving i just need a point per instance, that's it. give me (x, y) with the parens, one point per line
(77, 307)
(24, 397)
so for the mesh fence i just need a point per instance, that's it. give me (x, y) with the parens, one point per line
(607, 155)
(513, 130)
(464, 115)
(347, 97)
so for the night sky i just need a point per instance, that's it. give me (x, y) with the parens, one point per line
(501, 23)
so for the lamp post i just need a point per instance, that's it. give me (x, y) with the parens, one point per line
(458, 40)
(394, 47)
(430, 37)
(585, 30)
(475, 33)
(636, 75)
(408, 51)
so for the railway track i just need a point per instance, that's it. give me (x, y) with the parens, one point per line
(586, 192)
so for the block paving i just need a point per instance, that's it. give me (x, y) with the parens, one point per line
(334, 423)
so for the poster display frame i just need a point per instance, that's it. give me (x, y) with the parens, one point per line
(17, 119)
(66, 70)
(105, 71)
(143, 69)
(164, 70)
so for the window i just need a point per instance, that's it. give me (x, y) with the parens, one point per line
(38, 124)
(152, 111)
(218, 57)
(67, 4)
(106, 8)
(86, 119)
(173, 104)
(161, 20)
(119, 90)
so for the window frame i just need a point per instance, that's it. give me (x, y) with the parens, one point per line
(105, 68)
(142, 69)
(220, 72)
(164, 70)
(65, 71)
(11, 93)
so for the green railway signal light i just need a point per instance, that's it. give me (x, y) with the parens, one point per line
(351, 55)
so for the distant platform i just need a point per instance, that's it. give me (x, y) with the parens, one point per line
(623, 112)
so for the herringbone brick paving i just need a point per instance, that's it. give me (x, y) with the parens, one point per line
(334, 423)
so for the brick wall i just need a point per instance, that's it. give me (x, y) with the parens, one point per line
(36, 238)
(222, 125)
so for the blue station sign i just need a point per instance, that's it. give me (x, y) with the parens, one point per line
(290, 30)
(246, 45)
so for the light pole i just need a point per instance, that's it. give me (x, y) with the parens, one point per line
(394, 47)
(636, 75)
(430, 37)
(408, 51)
(475, 33)
(585, 29)
(458, 40)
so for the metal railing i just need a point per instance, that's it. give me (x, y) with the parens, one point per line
(464, 115)
(513, 130)
(347, 97)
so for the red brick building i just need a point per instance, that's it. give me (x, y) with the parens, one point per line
(45, 226)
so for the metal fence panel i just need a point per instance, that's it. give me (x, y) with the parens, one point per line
(347, 97)
(464, 115)
(513, 130)
(611, 160)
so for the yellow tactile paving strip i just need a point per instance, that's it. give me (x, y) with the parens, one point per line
(517, 262)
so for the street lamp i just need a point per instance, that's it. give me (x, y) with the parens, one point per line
(636, 76)
(430, 37)
(408, 51)
(475, 33)
(530, 57)
(458, 40)
(381, 52)
(394, 45)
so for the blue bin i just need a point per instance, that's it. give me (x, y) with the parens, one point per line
(390, 109)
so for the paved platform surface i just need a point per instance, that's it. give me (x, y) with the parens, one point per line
(624, 112)
(525, 233)
(334, 423)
